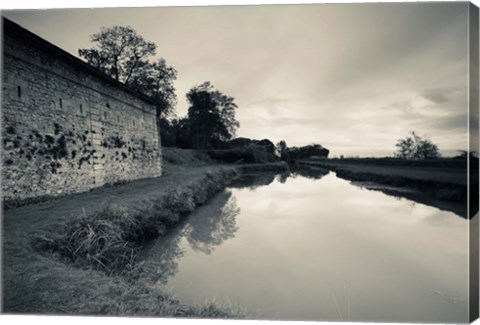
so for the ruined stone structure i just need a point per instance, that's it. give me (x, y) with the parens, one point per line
(66, 126)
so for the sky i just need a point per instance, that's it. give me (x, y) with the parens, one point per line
(354, 78)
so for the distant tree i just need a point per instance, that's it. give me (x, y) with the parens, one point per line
(466, 154)
(312, 151)
(168, 134)
(282, 149)
(242, 143)
(267, 144)
(211, 116)
(183, 136)
(415, 147)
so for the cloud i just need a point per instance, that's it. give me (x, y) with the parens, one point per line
(352, 77)
(437, 96)
(450, 123)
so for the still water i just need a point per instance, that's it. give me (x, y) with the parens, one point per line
(316, 247)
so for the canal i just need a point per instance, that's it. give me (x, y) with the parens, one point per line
(311, 246)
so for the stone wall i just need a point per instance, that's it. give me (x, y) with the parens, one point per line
(67, 127)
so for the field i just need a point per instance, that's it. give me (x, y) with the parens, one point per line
(442, 183)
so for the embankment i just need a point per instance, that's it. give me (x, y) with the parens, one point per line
(110, 238)
(441, 183)
(77, 255)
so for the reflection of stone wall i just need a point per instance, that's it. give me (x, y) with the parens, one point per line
(66, 127)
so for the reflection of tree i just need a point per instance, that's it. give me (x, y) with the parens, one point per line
(161, 259)
(206, 228)
(308, 172)
(282, 178)
(295, 171)
(253, 181)
(211, 225)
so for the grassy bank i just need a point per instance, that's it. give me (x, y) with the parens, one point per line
(77, 255)
(441, 183)
(110, 238)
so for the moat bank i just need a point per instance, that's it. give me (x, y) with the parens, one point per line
(41, 276)
(308, 245)
(440, 183)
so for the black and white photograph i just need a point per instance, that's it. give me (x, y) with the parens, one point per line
(281, 162)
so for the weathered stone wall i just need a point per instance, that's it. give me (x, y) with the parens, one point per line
(66, 127)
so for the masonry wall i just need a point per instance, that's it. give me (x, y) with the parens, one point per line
(65, 128)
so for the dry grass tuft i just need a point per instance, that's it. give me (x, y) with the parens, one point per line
(110, 239)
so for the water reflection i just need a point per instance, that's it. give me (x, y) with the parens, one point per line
(214, 224)
(208, 227)
(301, 249)
(459, 208)
(310, 172)
(256, 180)
(160, 260)
(252, 181)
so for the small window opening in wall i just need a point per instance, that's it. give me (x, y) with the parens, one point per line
(60, 103)
(81, 109)
(118, 119)
(108, 105)
(19, 92)
(133, 122)
(105, 115)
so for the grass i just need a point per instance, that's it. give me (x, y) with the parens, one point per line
(15, 203)
(438, 174)
(445, 180)
(459, 163)
(110, 238)
(77, 255)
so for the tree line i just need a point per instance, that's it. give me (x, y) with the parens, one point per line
(124, 55)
